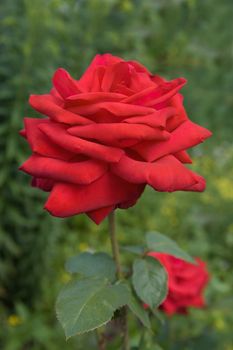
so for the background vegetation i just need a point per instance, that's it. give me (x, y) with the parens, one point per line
(190, 38)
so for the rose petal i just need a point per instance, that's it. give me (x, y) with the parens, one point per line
(185, 136)
(100, 214)
(110, 133)
(140, 81)
(119, 109)
(169, 307)
(82, 173)
(46, 105)
(97, 78)
(136, 96)
(183, 157)
(132, 202)
(43, 184)
(121, 89)
(166, 174)
(199, 186)
(139, 67)
(165, 92)
(23, 133)
(156, 119)
(57, 97)
(115, 74)
(59, 135)
(93, 97)
(180, 116)
(67, 199)
(40, 143)
(64, 83)
(86, 81)
(155, 95)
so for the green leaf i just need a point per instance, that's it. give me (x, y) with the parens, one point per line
(93, 265)
(136, 249)
(157, 242)
(138, 310)
(150, 281)
(87, 304)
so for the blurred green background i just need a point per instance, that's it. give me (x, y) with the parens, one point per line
(190, 38)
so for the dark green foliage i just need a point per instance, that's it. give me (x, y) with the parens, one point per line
(26, 231)
(190, 38)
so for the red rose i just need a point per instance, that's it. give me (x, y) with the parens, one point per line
(107, 135)
(186, 283)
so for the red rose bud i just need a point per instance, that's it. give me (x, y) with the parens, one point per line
(108, 135)
(186, 283)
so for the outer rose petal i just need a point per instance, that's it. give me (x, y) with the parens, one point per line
(167, 91)
(64, 83)
(132, 202)
(199, 186)
(98, 215)
(183, 157)
(40, 143)
(43, 184)
(82, 173)
(57, 97)
(185, 136)
(67, 199)
(58, 134)
(23, 133)
(166, 174)
(46, 104)
(181, 115)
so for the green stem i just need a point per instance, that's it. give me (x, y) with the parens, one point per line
(101, 340)
(116, 256)
(114, 243)
(125, 329)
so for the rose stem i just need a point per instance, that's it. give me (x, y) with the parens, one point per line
(101, 340)
(116, 256)
(114, 243)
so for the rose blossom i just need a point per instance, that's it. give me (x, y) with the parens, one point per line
(186, 283)
(105, 136)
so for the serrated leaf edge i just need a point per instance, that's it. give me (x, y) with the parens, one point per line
(89, 330)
